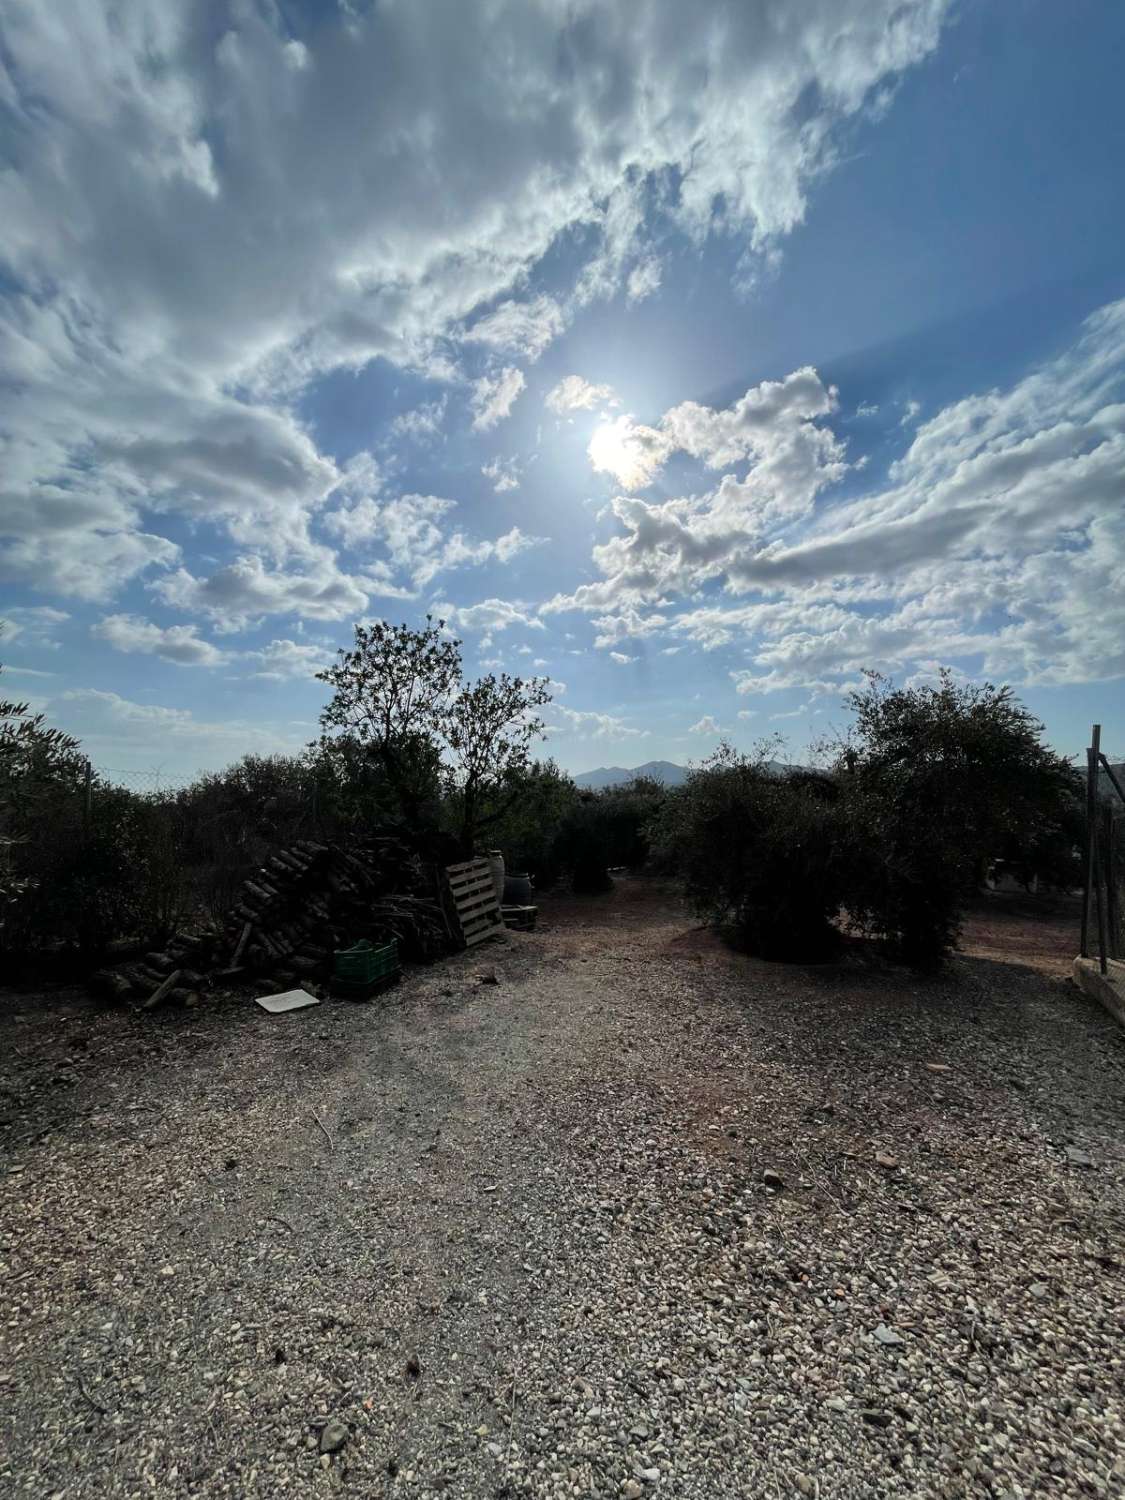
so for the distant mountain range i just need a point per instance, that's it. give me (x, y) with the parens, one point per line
(657, 770)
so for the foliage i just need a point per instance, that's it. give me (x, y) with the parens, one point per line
(489, 728)
(937, 780)
(606, 828)
(389, 698)
(766, 854)
(40, 767)
(400, 704)
(527, 829)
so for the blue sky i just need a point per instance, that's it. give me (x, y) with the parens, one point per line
(696, 360)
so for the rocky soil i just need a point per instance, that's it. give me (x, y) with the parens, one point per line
(642, 1218)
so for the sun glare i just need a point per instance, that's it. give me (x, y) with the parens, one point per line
(630, 452)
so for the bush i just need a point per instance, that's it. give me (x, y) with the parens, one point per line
(936, 781)
(528, 830)
(608, 828)
(768, 855)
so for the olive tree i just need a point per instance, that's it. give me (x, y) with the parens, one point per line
(399, 696)
(390, 696)
(489, 728)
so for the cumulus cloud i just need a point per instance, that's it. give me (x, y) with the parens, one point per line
(175, 643)
(283, 659)
(411, 531)
(246, 590)
(422, 422)
(489, 614)
(523, 329)
(493, 397)
(998, 540)
(575, 394)
(706, 725)
(588, 725)
(504, 474)
(152, 374)
(621, 658)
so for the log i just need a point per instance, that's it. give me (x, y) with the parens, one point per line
(166, 988)
(236, 956)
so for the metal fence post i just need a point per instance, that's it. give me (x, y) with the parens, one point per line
(1109, 865)
(1091, 812)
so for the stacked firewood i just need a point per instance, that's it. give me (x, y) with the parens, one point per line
(304, 902)
(310, 899)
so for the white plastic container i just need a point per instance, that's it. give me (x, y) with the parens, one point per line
(496, 863)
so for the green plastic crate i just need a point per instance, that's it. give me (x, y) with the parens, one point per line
(363, 964)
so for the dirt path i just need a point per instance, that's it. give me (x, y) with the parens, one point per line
(517, 1237)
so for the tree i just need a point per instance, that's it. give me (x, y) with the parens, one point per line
(400, 698)
(37, 764)
(528, 829)
(764, 854)
(390, 695)
(940, 779)
(489, 729)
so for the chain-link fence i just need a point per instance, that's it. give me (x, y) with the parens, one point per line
(152, 780)
(1103, 895)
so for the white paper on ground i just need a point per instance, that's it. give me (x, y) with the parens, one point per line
(287, 1000)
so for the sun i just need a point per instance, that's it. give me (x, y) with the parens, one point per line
(629, 451)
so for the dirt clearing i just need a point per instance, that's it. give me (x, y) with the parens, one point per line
(641, 1218)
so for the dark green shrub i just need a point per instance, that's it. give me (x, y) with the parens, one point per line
(605, 829)
(766, 854)
(937, 780)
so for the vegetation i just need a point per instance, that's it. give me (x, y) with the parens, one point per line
(929, 786)
(400, 702)
(939, 780)
(766, 855)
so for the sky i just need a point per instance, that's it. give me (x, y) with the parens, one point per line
(695, 358)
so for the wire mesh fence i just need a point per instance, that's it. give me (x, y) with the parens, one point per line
(1103, 896)
(151, 780)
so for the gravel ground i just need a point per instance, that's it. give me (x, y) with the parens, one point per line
(642, 1218)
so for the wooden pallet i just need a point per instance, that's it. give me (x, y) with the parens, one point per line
(520, 918)
(474, 896)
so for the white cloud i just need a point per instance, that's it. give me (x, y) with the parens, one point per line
(575, 394)
(621, 658)
(114, 729)
(504, 473)
(588, 725)
(423, 422)
(410, 529)
(489, 614)
(280, 226)
(283, 659)
(523, 329)
(644, 279)
(998, 542)
(235, 596)
(632, 453)
(706, 725)
(494, 396)
(175, 643)
(34, 625)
